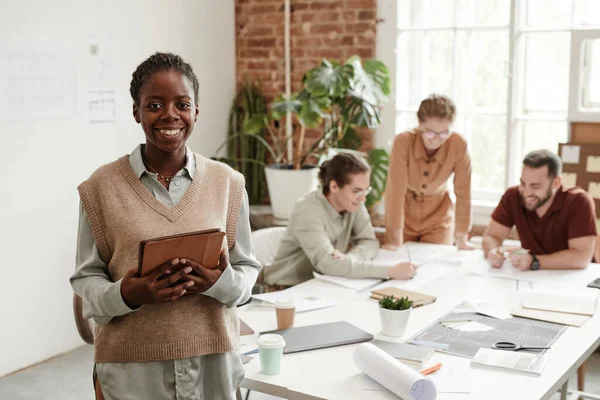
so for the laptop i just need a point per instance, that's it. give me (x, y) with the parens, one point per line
(320, 336)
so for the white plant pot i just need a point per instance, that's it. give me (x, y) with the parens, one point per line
(286, 186)
(393, 322)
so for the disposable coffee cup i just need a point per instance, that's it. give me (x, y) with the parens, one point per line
(270, 352)
(285, 311)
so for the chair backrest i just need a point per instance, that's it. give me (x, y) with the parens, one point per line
(266, 242)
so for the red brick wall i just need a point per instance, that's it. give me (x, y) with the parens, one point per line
(332, 29)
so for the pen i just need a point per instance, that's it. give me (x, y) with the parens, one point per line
(408, 253)
(516, 253)
(431, 370)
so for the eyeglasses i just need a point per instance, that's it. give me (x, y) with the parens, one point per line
(360, 192)
(432, 134)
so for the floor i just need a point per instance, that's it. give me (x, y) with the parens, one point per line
(68, 377)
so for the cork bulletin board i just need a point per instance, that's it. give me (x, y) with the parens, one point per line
(581, 167)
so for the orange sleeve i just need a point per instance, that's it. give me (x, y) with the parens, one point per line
(462, 189)
(397, 183)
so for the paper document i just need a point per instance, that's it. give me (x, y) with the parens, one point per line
(302, 301)
(551, 316)
(453, 377)
(491, 310)
(396, 377)
(350, 283)
(389, 258)
(418, 254)
(581, 302)
(425, 274)
(511, 360)
(570, 154)
(569, 278)
(594, 189)
(593, 164)
(569, 179)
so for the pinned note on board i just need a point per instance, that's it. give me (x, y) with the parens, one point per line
(594, 190)
(570, 154)
(569, 179)
(593, 164)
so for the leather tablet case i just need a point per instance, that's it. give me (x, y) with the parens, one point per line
(203, 247)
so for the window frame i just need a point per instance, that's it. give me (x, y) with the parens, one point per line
(485, 200)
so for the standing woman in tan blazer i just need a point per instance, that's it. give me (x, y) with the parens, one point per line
(417, 203)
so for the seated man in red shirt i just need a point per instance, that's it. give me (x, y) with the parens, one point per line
(557, 226)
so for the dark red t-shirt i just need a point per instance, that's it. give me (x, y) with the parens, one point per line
(571, 215)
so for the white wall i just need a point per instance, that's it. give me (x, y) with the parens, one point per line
(42, 161)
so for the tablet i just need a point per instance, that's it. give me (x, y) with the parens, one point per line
(203, 247)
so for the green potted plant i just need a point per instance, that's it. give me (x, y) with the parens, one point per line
(244, 153)
(394, 315)
(337, 99)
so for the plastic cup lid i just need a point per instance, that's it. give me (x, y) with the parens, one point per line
(285, 303)
(271, 340)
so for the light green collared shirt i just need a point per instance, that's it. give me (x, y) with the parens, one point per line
(214, 376)
(314, 232)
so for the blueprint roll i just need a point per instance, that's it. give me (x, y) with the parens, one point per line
(396, 377)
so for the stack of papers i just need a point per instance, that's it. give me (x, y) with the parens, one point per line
(302, 301)
(565, 307)
(511, 360)
(580, 302)
(568, 278)
(350, 283)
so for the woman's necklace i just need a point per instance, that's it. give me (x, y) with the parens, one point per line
(160, 176)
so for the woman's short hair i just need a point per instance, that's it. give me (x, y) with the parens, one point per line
(158, 62)
(339, 169)
(437, 106)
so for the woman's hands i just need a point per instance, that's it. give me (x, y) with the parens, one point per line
(204, 278)
(155, 287)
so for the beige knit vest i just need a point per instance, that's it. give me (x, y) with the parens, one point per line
(122, 212)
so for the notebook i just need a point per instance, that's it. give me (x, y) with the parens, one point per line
(409, 354)
(312, 337)
(509, 360)
(203, 247)
(580, 302)
(245, 329)
(551, 316)
(418, 299)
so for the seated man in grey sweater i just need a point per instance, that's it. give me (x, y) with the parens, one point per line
(330, 231)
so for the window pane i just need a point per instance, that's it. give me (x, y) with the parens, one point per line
(549, 13)
(483, 12)
(592, 83)
(587, 12)
(544, 135)
(547, 57)
(487, 148)
(406, 121)
(425, 13)
(484, 70)
(424, 66)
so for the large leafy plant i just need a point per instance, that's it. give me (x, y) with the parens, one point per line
(245, 151)
(335, 98)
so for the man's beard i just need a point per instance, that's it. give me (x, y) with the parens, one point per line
(541, 202)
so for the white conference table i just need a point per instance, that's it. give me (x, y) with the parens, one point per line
(331, 374)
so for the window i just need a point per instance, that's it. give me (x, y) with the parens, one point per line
(506, 64)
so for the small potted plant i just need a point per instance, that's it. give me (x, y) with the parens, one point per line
(394, 315)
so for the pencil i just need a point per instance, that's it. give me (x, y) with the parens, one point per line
(431, 370)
